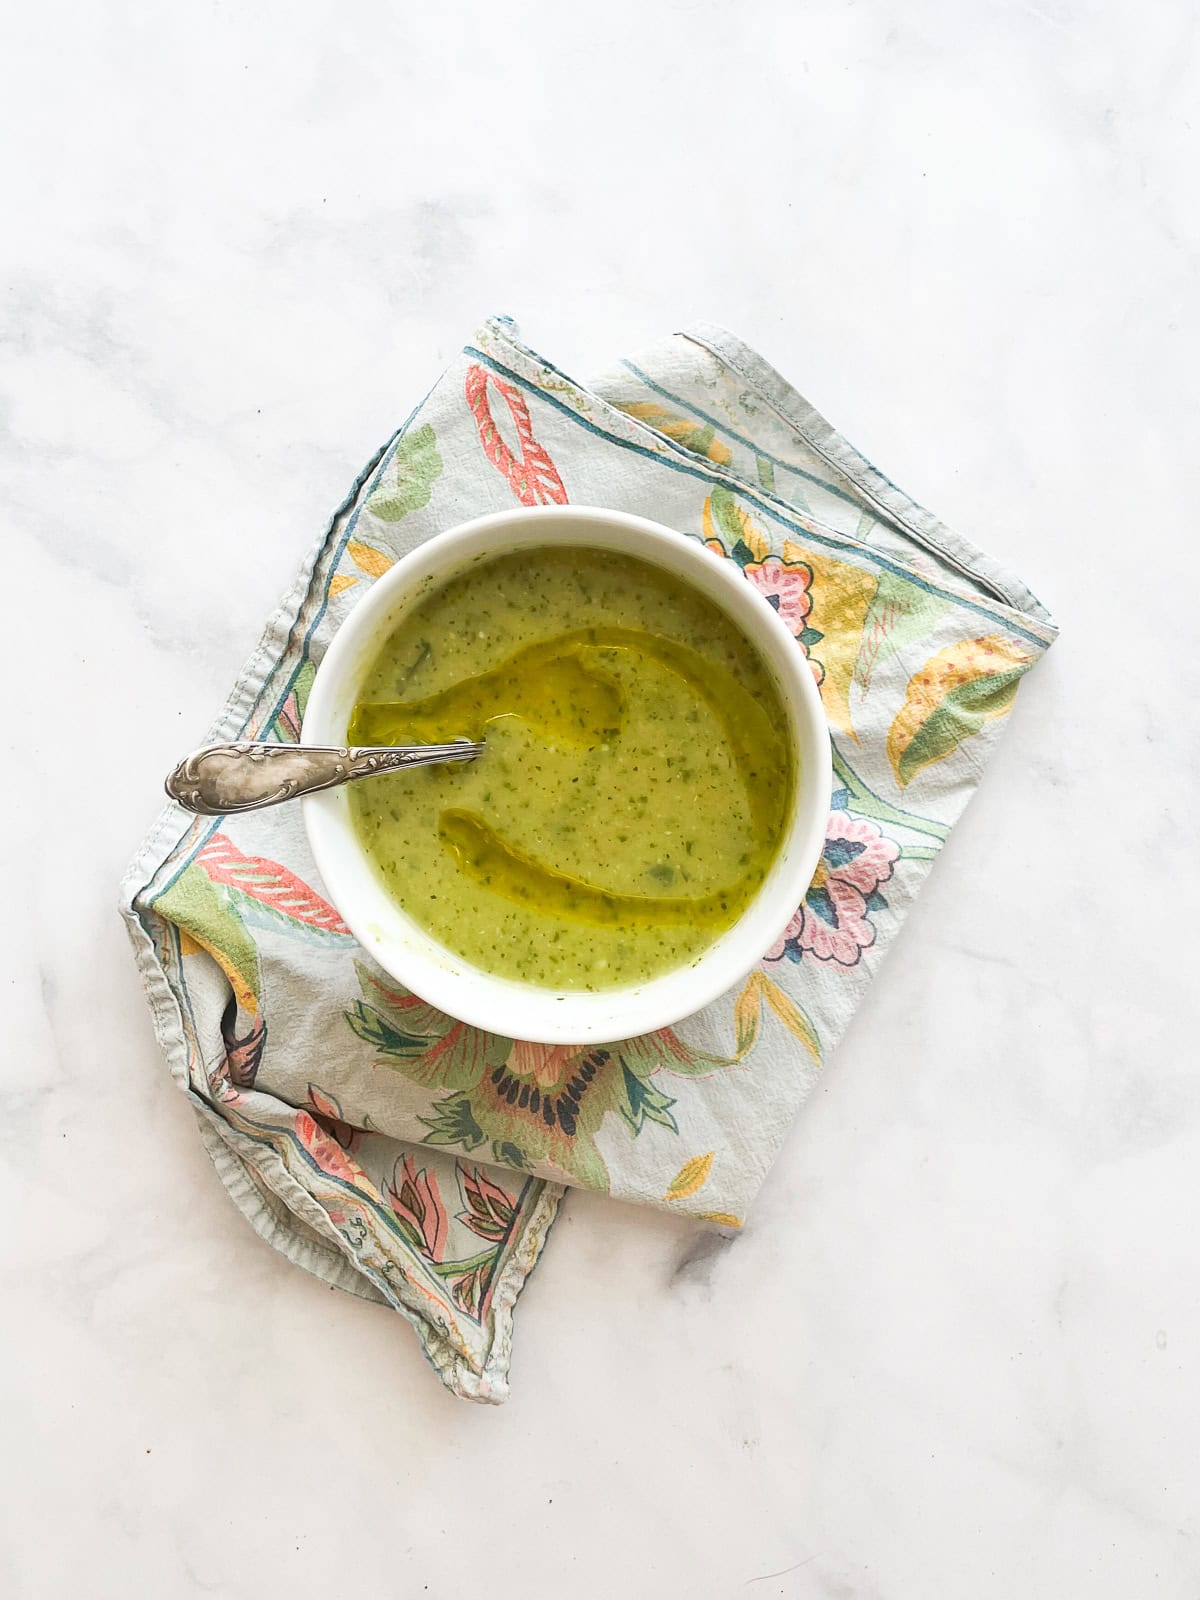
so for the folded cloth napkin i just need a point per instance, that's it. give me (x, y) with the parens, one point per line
(398, 1153)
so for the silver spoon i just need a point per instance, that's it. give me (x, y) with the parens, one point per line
(224, 778)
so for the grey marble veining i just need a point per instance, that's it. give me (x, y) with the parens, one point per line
(955, 1353)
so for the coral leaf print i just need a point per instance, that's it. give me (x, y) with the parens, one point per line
(417, 466)
(691, 1177)
(417, 1204)
(533, 477)
(491, 1210)
(955, 693)
(327, 1113)
(266, 885)
(900, 613)
(323, 1103)
(330, 1157)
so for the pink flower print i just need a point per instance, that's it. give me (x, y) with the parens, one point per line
(787, 585)
(833, 924)
(784, 586)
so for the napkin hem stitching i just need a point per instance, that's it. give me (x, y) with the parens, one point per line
(630, 431)
(897, 508)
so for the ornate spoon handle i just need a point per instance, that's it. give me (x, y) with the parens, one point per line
(224, 778)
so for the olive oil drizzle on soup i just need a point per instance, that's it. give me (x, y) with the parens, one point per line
(636, 782)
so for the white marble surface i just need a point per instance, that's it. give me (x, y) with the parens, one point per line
(957, 1353)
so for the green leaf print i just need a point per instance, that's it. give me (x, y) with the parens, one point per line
(962, 712)
(729, 518)
(866, 803)
(194, 904)
(389, 1041)
(453, 1123)
(417, 467)
(509, 1155)
(304, 682)
(424, 1044)
(645, 1104)
(957, 690)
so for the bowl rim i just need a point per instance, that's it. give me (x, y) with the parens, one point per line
(418, 961)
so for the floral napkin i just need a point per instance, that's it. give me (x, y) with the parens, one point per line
(402, 1155)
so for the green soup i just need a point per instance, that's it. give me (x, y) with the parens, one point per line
(636, 782)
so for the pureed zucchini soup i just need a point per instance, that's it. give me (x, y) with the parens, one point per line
(636, 784)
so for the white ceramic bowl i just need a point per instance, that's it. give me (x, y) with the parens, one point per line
(418, 961)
